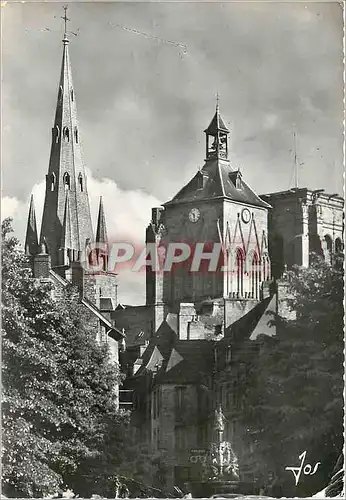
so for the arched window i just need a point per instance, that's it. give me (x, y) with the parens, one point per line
(239, 264)
(80, 182)
(57, 133)
(338, 245)
(328, 248)
(52, 181)
(76, 134)
(265, 267)
(66, 134)
(67, 181)
(254, 276)
(72, 95)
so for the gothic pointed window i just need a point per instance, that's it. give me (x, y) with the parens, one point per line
(239, 260)
(254, 276)
(66, 134)
(72, 95)
(80, 182)
(60, 93)
(265, 267)
(52, 181)
(76, 134)
(57, 133)
(67, 181)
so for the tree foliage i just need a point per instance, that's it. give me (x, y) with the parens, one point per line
(59, 402)
(294, 399)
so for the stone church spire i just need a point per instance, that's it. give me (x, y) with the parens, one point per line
(66, 174)
(31, 239)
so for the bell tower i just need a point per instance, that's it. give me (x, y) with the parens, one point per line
(66, 221)
(221, 219)
(216, 137)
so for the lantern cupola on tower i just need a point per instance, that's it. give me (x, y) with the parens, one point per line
(217, 137)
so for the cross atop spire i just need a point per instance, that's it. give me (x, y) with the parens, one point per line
(66, 19)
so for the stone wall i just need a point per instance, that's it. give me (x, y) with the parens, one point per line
(301, 222)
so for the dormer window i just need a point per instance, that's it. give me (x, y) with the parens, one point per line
(60, 93)
(238, 182)
(80, 182)
(199, 180)
(76, 134)
(235, 178)
(67, 181)
(66, 134)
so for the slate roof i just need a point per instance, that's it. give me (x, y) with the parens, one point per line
(218, 180)
(254, 323)
(176, 361)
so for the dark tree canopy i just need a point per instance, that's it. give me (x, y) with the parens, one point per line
(59, 385)
(294, 399)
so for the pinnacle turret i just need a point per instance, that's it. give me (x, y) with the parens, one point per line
(31, 238)
(102, 238)
(101, 231)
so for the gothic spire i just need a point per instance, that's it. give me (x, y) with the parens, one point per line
(31, 239)
(66, 171)
(101, 231)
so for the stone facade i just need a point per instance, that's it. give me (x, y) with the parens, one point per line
(303, 221)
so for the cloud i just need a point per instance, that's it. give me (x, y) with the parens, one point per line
(270, 121)
(18, 210)
(9, 206)
(128, 212)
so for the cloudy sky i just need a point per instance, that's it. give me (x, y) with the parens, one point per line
(144, 99)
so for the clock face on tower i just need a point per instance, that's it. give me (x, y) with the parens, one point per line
(245, 215)
(194, 214)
